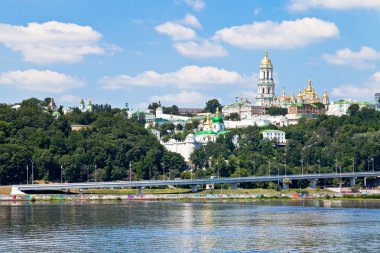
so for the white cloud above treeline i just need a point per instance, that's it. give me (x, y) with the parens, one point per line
(40, 80)
(183, 98)
(188, 77)
(362, 59)
(360, 92)
(185, 40)
(176, 31)
(287, 34)
(51, 42)
(303, 5)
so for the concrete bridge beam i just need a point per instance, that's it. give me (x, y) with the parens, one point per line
(313, 183)
(234, 186)
(194, 188)
(352, 181)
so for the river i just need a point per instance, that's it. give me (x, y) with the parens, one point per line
(138, 226)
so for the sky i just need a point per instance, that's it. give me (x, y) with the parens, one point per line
(185, 52)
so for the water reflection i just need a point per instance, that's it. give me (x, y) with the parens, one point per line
(269, 226)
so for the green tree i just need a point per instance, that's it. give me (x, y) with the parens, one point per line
(276, 111)
(211, 105)
(353, 109)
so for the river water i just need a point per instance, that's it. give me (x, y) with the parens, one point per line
(134, 226)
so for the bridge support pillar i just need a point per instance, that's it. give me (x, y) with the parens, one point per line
(285, 186)
(365, 182)
(141, 190)
(352, 182)
(313, 183)
(16, 191)
(234, 186)
(194, 188)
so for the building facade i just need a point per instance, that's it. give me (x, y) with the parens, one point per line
(274, 135)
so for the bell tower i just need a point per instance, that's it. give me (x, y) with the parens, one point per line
(265, 93)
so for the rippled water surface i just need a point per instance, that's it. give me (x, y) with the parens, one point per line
(272, 226)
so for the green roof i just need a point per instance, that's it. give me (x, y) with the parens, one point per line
(205, 132)
(216, 119)
(56, 113)
(236, 103)
(223, 132)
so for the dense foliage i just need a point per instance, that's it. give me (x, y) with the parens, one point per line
(110, 144)
(276, 111)
(327, 143)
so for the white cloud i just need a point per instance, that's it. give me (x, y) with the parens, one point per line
(361, 59)
(302, 5)
(42, 81)
(191, 20)
(176, 31)
(287, 34)
(196, 4)
(51, 41)
(361, 92)
(202, 49)
(189, 77)
(183, 98)
(256, 11)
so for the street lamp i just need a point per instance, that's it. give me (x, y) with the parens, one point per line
(285, 166)
(254, 167)
(302, 165)
(373, 164)
(61, 173)
(336, 166)
(319, 166)
(353, 165)
(32, 170)
(27, 174)
(95, 175)
(269, 168)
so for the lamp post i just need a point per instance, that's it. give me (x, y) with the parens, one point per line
(336, 166)
(353, 165)
(373, 164)
(254, 167)
(27, 174)
(285, 166)
(96, 179)
(269, 168)
(301, 166)
(61, 173)
(130, 172)
(319, 166)
(32, 170)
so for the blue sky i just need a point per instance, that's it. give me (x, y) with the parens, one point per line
(185, 52)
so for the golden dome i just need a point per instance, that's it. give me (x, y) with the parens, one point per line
(325, 96)
(309, 88)
(300, 94)
(266, 60)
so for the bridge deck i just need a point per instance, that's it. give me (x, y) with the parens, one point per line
(185, 182)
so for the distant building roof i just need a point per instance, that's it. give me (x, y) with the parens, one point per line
(190, 110)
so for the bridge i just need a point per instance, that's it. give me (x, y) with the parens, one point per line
(194, 183)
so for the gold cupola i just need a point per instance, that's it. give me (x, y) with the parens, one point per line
(300, 96)
(309, 89)
(266, 60)
(292, 98)
(325, 96)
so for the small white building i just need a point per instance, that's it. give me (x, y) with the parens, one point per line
(277, 135)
